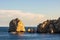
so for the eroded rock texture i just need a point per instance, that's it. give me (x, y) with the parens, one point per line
(16, 25)
(49, 26)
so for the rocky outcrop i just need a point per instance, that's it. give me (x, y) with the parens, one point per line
(49, 26)
(31, 30)
(16, 25)
(20, 27)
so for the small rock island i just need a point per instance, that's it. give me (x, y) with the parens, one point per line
(49, 26)
(16, 25)
(31, 30)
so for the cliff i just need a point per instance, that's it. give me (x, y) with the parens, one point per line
(49, 26)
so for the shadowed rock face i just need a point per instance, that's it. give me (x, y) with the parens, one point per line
(49, 26)
(16, 25)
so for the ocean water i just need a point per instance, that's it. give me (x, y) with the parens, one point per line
(4, 35)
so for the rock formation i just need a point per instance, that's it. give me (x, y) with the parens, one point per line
(16, 25)
(49, 26)
(20, 27)
(31, 30)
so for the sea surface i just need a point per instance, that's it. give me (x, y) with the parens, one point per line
(4, 35)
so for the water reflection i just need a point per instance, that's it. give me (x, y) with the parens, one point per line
(29, 36)
(20, 33)
(17, 33)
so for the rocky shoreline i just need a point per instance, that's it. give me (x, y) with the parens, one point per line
(48, 26)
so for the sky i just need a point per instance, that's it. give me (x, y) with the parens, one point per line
(31, 12)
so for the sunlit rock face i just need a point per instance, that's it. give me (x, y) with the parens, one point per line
(20, 27)
(49, 26)
(16, 25)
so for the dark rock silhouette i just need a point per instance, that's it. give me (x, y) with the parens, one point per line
(49, 26)
(31, 30)
(16, 25)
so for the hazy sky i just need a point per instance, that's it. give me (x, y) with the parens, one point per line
(31, 12)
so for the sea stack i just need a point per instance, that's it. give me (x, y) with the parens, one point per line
(16, 25)
(49, 26)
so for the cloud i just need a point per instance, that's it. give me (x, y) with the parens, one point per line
(30, 19)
